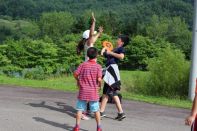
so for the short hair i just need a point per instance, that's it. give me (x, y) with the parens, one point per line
(124, 39)
(92, 53)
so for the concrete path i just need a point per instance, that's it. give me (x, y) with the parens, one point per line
(27, 109)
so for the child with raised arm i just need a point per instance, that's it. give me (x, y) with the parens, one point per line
(88, 76)
(89, 38)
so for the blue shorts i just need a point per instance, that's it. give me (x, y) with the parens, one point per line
(82, 105)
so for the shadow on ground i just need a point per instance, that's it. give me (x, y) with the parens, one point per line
(62, 107)
(55, 124)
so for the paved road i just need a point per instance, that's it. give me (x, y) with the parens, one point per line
(27, 109)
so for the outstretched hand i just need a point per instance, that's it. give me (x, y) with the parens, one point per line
(100, 29)
(189, 120)
(103, 50)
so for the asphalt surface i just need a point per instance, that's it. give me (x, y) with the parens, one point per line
(28, 109)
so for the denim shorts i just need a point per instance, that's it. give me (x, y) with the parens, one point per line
(82, 105)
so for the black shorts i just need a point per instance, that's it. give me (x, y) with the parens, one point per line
(107, 90)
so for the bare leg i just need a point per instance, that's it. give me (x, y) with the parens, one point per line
(103, 102)
(98, 118)
(78, 117)
(118, 104)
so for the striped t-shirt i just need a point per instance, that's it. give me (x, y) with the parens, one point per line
(88, 73)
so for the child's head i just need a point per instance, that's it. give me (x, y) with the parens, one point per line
(92, 53)
(86, 34)
(123, 40)
(82, 42)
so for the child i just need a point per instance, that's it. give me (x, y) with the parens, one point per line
(192, 119)
(88, 76)
(112, 76)
(89, 39)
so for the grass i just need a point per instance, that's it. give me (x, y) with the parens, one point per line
(63, 83)
(128, 79)
(159, 100)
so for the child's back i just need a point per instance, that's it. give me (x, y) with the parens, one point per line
(88, 73)
(88, 76)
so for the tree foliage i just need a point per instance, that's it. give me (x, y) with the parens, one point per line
(56, 24)
(169, 74)
(43, 34)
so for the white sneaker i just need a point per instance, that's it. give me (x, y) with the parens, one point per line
(84, 117)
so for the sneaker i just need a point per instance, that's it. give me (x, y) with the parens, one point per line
(120, 116)
(84, 117)
(99, 129)
(102, 114)
(88, 113)
(76, 129)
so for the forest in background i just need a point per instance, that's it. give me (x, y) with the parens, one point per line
(38, 38)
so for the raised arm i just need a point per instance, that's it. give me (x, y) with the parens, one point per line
(92, 30)
(95, 37)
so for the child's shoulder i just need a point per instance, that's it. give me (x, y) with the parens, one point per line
(98, 65)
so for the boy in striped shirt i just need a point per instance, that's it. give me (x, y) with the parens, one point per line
(88, 76)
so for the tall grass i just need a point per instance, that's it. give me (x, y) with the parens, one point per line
(134, 81)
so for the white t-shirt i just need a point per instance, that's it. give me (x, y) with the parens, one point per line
(86, 49)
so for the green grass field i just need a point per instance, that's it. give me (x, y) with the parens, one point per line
(68, 84)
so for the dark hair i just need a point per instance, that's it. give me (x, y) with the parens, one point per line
(125, 39)
(80, 46)
(92, 53)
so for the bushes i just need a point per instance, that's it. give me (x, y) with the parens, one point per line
(34, 73)
(139, 50)
(29, 53)
(68, 58)
(11, 70)
(30, 56)
(169, 74)
(4, 60)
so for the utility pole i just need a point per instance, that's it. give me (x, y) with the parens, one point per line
(193, 70)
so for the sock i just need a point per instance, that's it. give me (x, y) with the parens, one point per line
(98, 126)
(76, 125)
(120, 112)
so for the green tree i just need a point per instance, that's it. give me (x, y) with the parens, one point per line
(110, 22)
(158, 27)
(56, 24)
(173, 30)
(17, 29)
(140, 50)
